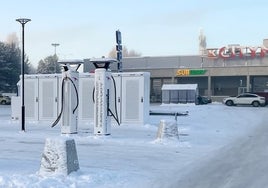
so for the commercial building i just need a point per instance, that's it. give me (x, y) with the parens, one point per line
(219, 72)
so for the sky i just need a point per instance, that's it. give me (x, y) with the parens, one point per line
(86, 28)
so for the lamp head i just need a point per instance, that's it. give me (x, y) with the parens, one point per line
(23, 20)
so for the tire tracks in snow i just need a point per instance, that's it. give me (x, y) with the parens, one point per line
(241, 164)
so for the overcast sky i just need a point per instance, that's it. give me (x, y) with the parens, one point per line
(86, 28)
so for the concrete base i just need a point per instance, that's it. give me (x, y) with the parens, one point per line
(167, 130)
(59, 157)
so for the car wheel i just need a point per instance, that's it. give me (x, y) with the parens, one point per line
(229, 103)
(256, 104)
(3, 102)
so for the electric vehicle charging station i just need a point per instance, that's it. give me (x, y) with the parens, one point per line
(69, 96)
(103, 79)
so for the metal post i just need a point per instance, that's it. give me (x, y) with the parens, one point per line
(55, 54)
(55, 45)
(23, 21)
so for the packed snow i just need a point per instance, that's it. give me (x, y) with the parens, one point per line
(134, 156)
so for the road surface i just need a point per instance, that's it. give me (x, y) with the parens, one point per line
(242, 164)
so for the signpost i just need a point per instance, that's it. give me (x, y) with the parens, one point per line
(119, 50)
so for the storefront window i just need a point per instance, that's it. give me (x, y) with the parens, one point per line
(156, 86)
(227, 85)
(259, 84)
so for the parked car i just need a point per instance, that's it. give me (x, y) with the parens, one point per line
(202, 100)
(245, 99)
(263, 94)
(5, 99)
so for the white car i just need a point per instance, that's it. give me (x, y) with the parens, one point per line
(245, 98)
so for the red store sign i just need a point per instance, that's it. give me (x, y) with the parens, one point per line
(237, 51)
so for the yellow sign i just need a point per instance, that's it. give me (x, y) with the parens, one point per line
(183, 72)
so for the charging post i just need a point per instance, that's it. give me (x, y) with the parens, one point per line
(69, 96)
(102, 116)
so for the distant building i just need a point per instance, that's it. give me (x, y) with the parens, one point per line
(222, 72)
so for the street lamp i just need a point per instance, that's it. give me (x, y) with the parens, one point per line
(23, 21)
(55, 45)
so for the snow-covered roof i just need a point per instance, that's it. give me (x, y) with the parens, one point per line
(179, 87)
(102, 60)
(71, 61)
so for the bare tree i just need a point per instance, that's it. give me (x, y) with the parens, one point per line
(133, 53)
(112, 53)
(125, 53)
(48, 65)
(12, 39)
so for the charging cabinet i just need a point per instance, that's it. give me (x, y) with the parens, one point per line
(115, 97)
(86, 88)
(31, 97)
(43, 97)
(48, 97)
(40, 99)
(135, 98)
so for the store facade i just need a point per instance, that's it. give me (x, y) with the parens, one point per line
(221, 72)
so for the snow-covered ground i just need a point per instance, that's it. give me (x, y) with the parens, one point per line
(132, 157)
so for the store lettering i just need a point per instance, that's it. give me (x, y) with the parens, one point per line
(237, 51)
(191, 72)
(183, 72)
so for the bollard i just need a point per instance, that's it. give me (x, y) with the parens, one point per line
(59, 157)
(167, 130)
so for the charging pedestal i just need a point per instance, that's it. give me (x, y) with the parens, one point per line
(102, 117)
(69, 96)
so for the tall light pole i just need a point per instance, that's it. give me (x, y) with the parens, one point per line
(55, 54)
(23, 21)
(55, 46)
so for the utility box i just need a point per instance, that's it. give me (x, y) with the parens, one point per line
(135, 97)
(31, 97)
(116, 97)
(48, 97)
(86, 98)
(15, 108)
(41, 97)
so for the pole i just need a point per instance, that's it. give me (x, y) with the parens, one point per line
(22, 70)
(55, 54)
(23, 21)
(55, 46)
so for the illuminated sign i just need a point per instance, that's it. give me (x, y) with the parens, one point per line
(237, 51)
(190, 72)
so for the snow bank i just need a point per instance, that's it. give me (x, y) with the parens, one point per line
(129, 157)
